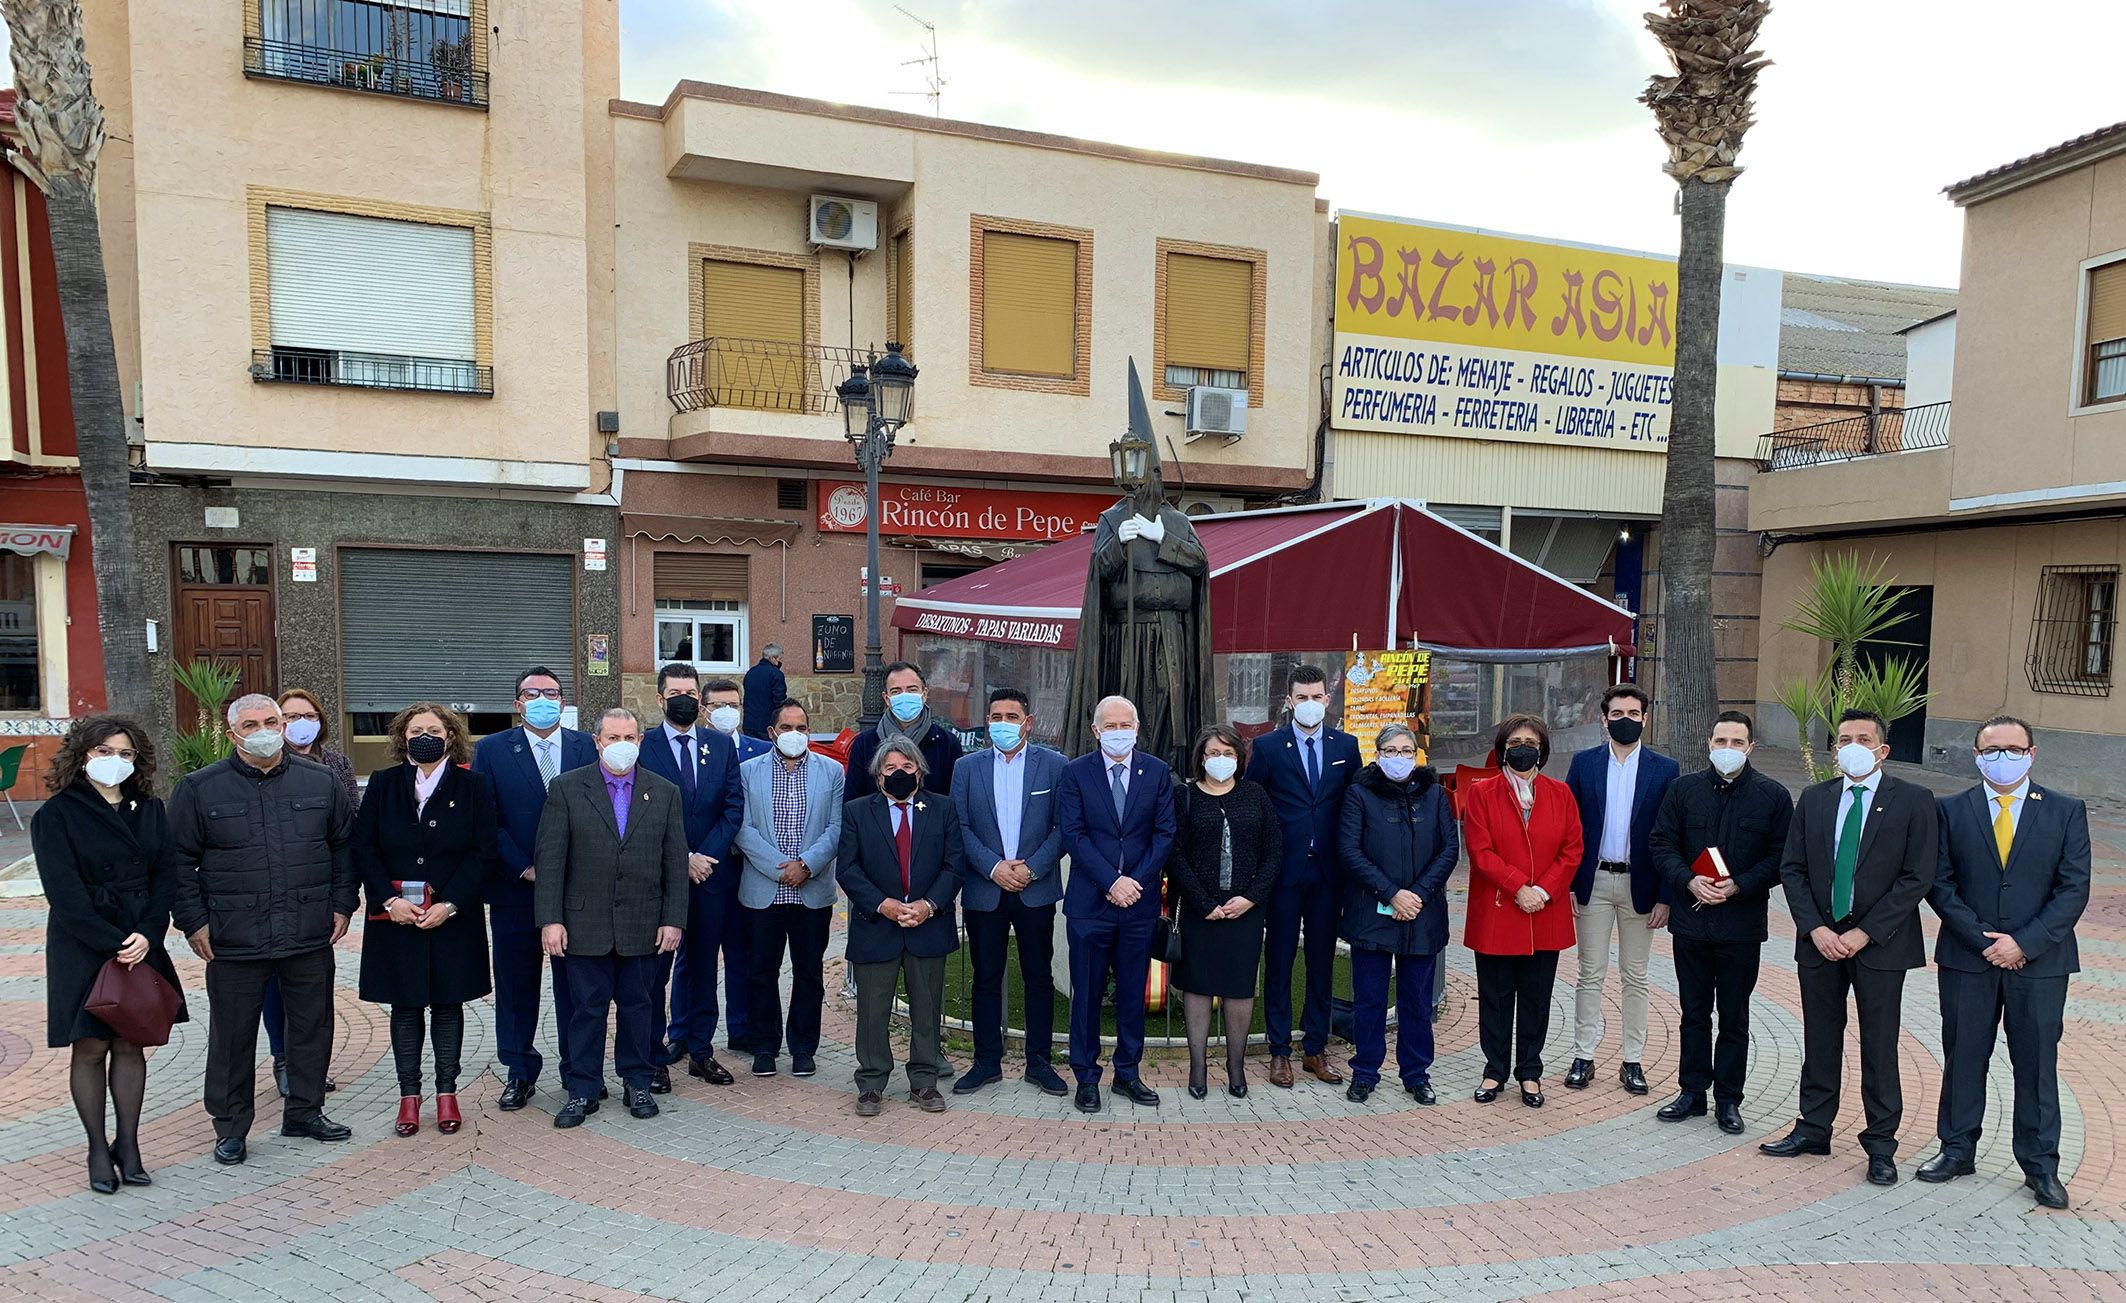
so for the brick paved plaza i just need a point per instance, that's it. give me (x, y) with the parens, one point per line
(770, 1190)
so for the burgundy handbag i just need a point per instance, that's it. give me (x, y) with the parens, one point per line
(137, 1002)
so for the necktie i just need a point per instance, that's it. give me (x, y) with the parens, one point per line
(2004, 826)
(686, 766)
(549, 764)
(1121, 793)
(903, 841)
(1313, 765)
(1848, 855)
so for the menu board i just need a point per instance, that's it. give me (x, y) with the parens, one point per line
(1387, 687)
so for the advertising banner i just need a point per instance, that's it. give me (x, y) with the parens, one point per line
(1449, 332)
(1383, 688)
(937, 511)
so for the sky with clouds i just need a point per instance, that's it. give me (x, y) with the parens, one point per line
(1516, 115)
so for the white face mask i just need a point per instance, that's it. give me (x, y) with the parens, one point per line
(1856, 761)
(724, 719)
(2006, 771)
(619, 757)
(108, 770)
(265, 744)
(1309, 714)
(302, 732)
(1118, 742)
(1220, 768)
(1729, 760)
(793, 743)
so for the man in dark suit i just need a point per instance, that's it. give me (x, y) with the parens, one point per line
(2013, 880)
(900, 865)
(520, 763)
(766, 688)
(1006, 799)
(726, 711)
(703, 764)
(1305, 767)
(610, 898)
(1619, 786)
(1117, 812)
(1860, 855)
(907, 714)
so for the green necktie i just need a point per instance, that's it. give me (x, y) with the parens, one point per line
(1848, 855)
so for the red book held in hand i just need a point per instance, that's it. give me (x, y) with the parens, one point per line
(1711, 866)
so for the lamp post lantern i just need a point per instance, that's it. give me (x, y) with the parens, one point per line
(876, 402)
(1132, 458)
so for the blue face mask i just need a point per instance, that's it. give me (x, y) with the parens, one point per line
(1005, 737)
(542, 712)
(905, 705)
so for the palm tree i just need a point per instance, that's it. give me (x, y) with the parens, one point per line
(1702, 112)
(62, 133)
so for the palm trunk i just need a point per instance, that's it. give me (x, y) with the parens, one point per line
(1690, 689)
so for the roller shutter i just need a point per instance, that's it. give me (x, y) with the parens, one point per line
(454, 627)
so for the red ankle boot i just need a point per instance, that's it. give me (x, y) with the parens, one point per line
(409, 1115)
(447, 1119)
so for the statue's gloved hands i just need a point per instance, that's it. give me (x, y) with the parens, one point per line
(1150, 527)
(1129, 529)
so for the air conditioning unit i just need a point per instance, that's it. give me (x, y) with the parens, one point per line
(1195, 508)
(1217, 411)
(838, 223)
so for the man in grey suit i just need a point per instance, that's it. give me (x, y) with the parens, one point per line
(792, 831)
(610, 896)
(1006, 798)
(2013, 881)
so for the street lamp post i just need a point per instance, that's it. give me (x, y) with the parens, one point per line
(874, 408)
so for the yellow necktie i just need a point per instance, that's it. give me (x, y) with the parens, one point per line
(2004, 827)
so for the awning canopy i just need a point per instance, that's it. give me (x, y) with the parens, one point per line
(1385, 571)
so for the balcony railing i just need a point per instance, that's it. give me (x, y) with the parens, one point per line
(324, 366)
(758, 374)
(1897, 429)
(421, 50)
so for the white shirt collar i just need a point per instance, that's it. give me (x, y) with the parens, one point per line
(1122, 760)
(1007, 758)
(1302, 731)
(2021, 793)
(1873, 782)
(1629, 756)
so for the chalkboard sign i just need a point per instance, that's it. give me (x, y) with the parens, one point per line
(834, 644)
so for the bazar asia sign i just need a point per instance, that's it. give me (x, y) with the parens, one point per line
(997, 628)
(937, 512)
(1449, 332)
(29, 540)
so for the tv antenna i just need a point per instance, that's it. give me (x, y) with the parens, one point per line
(933, 74)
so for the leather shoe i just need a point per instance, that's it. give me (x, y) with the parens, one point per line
(709, 1070)
(230, 1149)
(1944, 1166)
(927, 1100)
(1530, 1096)
(640, 1103)
(1794, 1144)
(102, 1184)
(1281, 1071)
(1088, 1099)
(1633, 1078)
(1485, 1094)
(1044, 1076)
(1579, 1074)
(2051, 1192)
(1136, 1092)
(1423, 1093)
(573, 1113)
(668, 1054)
(515, 1095)
(1881, 1170)
(802, 1065)
(1358, 1091)
(130, 1169)
(976, 1077)
(661, 1081)
(1729, 1116)
(318, 1127)
(1689, 1104)
(763, 1065)
(869, 1103)
(1318, 1066)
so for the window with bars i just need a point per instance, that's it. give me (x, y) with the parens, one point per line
(2104, 334)
(2072, 632)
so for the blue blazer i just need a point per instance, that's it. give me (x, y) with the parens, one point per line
(1102, 848)
(506, 760)
(1040, 835)
(2037, 897)
(1310, 815)
(719, 803)
(822, 836)
(750, 746)
(1589, 780)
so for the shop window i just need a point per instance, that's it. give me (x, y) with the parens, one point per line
(2104, 333)
(18, 633)
(2073, 631)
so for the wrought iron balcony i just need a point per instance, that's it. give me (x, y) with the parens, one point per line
(758, 375)
(323, 366)
(1897, 429)
(416, 49)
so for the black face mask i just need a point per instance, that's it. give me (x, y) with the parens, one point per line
(1522, 758)
(426, 749)
(682, 711)
(1624, 732)
(901, 783)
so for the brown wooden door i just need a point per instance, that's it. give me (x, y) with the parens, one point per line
(223, 610)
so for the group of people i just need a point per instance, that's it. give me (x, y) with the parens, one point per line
(637, 865)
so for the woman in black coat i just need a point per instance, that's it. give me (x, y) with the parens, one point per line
(1227, 846)
(106, 858)
(1398, 842)
(423, 844)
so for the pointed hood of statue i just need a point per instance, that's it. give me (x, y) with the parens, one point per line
(1140, 417)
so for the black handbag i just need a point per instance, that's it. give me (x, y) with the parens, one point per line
(1166, 941)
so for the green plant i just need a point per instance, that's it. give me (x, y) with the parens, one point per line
(1848, 603)
(209, 682)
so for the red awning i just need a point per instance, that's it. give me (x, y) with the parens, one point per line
(1386, 572)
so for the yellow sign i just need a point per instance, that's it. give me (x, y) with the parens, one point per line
(1448, 332)
(1383, 688)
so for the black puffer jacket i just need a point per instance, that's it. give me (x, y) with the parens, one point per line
(1396, 837)
(262, 857)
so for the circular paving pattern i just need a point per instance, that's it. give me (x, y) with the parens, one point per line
(772, 1189)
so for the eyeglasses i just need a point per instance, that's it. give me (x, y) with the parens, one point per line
(1995, 753)
(1407, 753)
(551, 694)
(299, 714)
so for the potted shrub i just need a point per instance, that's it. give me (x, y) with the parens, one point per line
(453, 65)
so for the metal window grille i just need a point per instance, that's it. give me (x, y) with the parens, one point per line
(789, 495)
(2073, 631)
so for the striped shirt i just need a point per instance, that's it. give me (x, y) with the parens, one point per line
(789, 821)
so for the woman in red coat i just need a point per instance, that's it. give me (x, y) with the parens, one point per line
(1523, 835)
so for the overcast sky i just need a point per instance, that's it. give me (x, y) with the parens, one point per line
(1517, 115)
